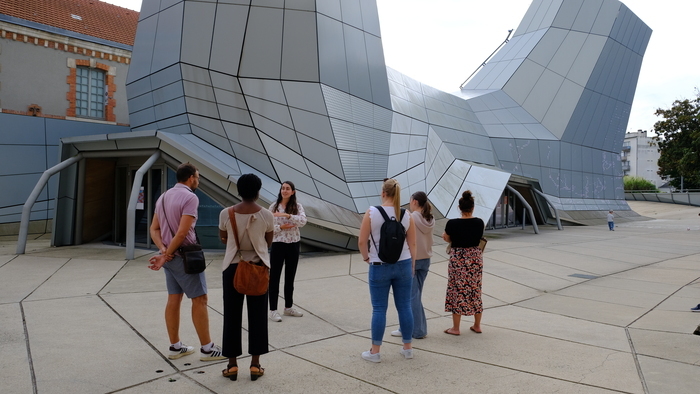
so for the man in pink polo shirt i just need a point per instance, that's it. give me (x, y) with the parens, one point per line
(173, 226)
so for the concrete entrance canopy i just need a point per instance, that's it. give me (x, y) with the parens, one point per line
(299, 91)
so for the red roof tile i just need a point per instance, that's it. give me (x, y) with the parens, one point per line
(90, 17)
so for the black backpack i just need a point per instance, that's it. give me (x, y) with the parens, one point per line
(393, 236)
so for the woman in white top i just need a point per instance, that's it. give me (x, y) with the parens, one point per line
(254, 226)
(289, 217)
(385, 276)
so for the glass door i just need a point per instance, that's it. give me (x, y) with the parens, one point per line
(150, 189)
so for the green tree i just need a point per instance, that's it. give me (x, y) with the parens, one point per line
(678, 139)
(633, 183)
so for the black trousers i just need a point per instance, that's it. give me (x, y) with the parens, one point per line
(233, 319)
(280, 254)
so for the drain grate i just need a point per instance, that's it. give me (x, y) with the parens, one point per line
(583, 276)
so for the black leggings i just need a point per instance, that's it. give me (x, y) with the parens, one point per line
(279, 254)
(233, 319)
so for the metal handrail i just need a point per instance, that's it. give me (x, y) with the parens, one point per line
(487, 59)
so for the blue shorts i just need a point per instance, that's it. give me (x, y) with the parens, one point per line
(178, 282)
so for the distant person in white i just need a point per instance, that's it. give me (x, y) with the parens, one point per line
(611, 221)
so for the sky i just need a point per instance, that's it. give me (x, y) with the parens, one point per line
(441, 42)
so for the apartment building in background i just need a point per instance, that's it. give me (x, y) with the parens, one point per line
(640, 157)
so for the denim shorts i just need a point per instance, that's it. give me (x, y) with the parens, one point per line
(178, 282)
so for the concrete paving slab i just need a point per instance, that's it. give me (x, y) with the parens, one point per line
(144, 312)
(15, 373)
(93, 251)
(578, 263)
(442, 368)
(292, 331)
(595, 311)
(507, 291)
(615, 282)
(550, 357)
(690, 291)
(683, 322)
(440, 253)
(134, 276)
(536, 265)
(527, 277)
(76, 342)
(35, 242)
(664, 376)
(322, 265)
(613, 296)
(5, 259)
(349, 313)
(77, 277)
(489, 302)
(676, 303)
(557, 326)
(689, 262)
(434, 290)
(284, 373)
(440, 268)
(213, 271)
(607, 253)
(176, 383)
(21, 276)
(642, 246)
(541, 355)
(678, 277)
(682, 348)
(357, 265)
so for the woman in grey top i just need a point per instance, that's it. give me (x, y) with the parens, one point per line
(421, 212)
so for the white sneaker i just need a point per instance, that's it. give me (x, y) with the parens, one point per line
(375, 358)
(212, 355)
(407, 353)
(184, 350)
(396, 333)
(274, 316)
(292, 312)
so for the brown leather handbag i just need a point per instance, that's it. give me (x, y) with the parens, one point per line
(251, 278)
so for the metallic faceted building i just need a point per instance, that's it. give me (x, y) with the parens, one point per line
(298, 90)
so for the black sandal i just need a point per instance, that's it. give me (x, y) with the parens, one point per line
(257, 372)
(233, 375)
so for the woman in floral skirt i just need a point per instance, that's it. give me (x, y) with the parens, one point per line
(466, 266)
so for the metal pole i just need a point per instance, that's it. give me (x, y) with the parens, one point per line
(523, 221)
(527, 206)
(79, 202)
(27, 208)
(556, 215)
(131, 209)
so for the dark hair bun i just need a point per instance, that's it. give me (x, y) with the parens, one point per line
(467, 194)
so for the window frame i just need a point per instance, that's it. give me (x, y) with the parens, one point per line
(95, 93)
(109, 88)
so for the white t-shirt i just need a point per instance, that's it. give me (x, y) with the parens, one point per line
(376, 221)
(611, 218)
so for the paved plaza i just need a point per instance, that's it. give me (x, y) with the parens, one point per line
(583, 310)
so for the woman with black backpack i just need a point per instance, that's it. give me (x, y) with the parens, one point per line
(387, 243)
